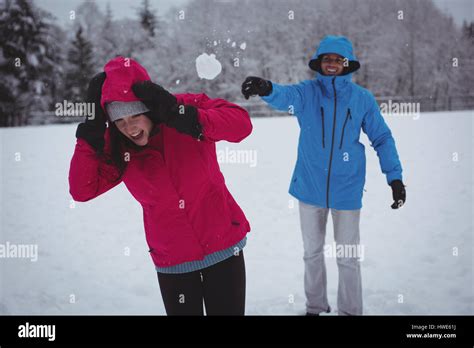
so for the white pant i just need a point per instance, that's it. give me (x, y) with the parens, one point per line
(313, 221)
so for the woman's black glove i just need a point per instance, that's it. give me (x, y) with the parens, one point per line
(93, 128)
(164, 108)
(398, 193)
(256, 86)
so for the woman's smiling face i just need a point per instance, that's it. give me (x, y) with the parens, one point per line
(137, 128)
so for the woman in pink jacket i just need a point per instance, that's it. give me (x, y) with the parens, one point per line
(162, 147)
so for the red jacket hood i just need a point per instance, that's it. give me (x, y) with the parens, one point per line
(121, 74)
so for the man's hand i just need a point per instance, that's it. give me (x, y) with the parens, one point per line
(398, 194)
(256, 86)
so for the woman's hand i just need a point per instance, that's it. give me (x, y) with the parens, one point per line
(93, 128)
(164, 108)
(160, 102)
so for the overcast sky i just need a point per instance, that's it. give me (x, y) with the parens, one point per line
(459, 9)
(120, 8)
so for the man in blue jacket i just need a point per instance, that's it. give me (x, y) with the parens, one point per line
(330, 169)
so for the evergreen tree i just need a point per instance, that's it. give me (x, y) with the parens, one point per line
(108, 40)
(80, 67)
(28, 61)
(147, 18)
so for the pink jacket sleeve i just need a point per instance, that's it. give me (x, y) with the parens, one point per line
(89, 174)
(220, 119)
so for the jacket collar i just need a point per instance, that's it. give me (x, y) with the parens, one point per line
(341, 83)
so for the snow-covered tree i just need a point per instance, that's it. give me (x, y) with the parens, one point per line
(408, 49)
(107, 45)
(80, 68)
(29, 61)
(147, 18)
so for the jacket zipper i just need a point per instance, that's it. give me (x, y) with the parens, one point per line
(322, 122)
(344, 127)
(332, 141)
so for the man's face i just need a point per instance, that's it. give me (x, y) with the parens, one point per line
(137, 128)
(332, 64)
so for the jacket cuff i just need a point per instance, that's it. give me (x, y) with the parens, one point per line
(268, 98)
(394, 176)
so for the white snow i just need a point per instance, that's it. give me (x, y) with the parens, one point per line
(207, 66)
(83, 250)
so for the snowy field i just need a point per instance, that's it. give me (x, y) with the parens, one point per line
(93, 257)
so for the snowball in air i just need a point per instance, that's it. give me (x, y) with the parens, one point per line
(207, 66)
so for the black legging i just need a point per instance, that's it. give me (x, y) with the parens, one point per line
(222, 288)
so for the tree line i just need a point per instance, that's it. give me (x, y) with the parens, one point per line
(407, 48)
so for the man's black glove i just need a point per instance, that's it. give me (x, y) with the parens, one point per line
(164, 108)
(93, 128)
(398, 193)
(256, 86)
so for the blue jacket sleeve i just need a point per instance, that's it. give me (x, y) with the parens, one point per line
(381, 140)
(289, 98)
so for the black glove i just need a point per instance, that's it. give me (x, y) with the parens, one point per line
(92, 129)
(398, 193)
(164, 108)
(256, 86)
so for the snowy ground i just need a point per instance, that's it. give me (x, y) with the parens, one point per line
(83, 250)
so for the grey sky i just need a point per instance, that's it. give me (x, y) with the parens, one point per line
(120, 8)
(459, 9)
